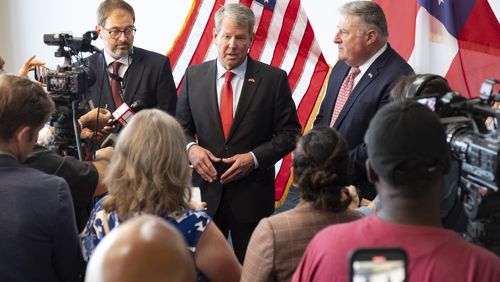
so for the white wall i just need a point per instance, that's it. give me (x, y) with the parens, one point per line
(23, 23)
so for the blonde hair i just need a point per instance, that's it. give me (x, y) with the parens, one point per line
(148, 172)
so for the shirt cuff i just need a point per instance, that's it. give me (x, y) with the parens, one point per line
(189, 145)
(256, 163)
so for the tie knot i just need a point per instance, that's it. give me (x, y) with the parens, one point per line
(229, 75)
(116, 66)
(354, 71)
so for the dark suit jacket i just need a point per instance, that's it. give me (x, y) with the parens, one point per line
(37, 226)
(265, 123)
(367, 97)
(148, 78)
(81, 177)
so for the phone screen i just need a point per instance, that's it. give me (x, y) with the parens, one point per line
(378, 265)
(41, 73)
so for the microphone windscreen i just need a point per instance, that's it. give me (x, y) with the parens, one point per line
(137, 105)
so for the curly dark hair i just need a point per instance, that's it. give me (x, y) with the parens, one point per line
(321, 165)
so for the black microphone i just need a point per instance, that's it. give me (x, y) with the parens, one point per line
(124, 113)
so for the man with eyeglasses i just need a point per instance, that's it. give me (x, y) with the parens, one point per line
(125, 73)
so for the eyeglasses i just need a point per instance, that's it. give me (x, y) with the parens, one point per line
(116, 33)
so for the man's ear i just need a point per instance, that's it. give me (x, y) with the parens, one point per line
(214, 34)
(24, 134)
(98, 29)
(372, 175)
(371, 36)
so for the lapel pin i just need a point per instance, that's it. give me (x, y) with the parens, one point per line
(370, 75)
(251, 80)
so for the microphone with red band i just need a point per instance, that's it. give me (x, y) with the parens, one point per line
(124, 113)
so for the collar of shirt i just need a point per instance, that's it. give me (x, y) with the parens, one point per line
(236, 82)
(364, 67)
(125, 60)
(239, 71)
(8, 154)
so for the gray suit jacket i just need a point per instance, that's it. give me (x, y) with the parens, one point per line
(265, 123)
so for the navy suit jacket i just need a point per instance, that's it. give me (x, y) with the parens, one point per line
(367, 97)
(265, 123)
(37, 226)
(148, 78)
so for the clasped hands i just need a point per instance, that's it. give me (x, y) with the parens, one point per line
(202, 160)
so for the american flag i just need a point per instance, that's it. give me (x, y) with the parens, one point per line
(458, 39)
(283, 38)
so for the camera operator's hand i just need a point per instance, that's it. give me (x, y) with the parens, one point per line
(96, 119)
(87, 133)
(108, 129)
(104, 154)
(29, 65)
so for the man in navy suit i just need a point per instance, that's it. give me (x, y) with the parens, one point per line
(360, 82)
(135, 73)
(37, 223)
(233, 145)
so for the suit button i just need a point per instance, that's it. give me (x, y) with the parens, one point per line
(226, 148)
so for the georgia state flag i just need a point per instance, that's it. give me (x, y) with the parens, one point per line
(458, 39)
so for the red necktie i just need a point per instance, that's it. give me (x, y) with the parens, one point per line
(116, 87)
(344, 92)
(226, 104)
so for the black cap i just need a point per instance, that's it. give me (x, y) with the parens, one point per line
(406, 142)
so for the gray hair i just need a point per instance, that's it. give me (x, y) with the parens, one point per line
(109, 5)
(237, 12)
(370, 14)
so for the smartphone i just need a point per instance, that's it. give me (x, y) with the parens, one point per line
(41, 73)
(378, 265)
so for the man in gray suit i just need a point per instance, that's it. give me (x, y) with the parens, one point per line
(239, 119)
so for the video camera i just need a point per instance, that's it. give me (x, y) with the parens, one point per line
(70, 79)
(68, 85)
(473, 134)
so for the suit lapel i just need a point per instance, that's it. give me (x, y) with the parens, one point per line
(248, 90)
(209, 97)
(104, 88)
(133, 76)
(369, 76)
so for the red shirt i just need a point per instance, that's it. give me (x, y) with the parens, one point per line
(434, 254)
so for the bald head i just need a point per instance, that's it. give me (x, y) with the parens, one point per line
(144, 248)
